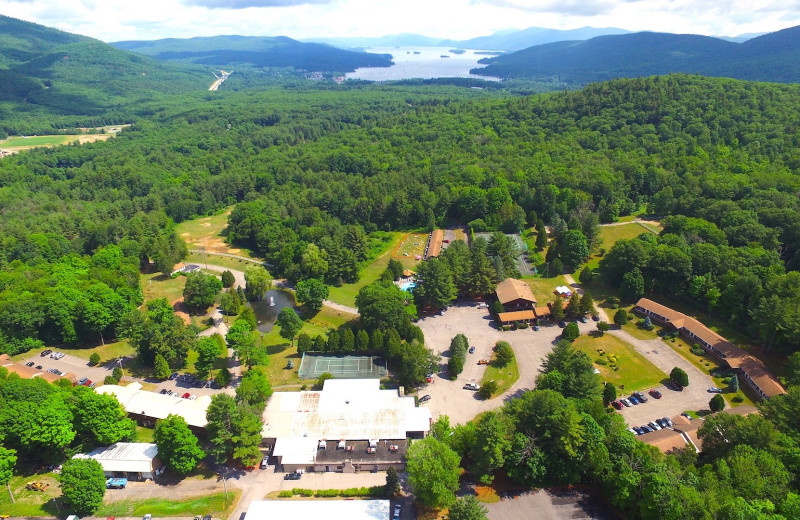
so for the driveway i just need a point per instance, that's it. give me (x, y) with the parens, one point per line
(693, 397)
(449, 397)
(549, 504)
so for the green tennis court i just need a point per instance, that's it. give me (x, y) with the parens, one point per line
(314, 364)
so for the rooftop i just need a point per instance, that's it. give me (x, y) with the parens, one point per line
(435, 243)
(159, 406)
(134, 457)
(511, 289)
(316, 509)
(350, 409)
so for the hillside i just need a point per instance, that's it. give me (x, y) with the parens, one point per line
(21, 41)
(230, 51)
(518, 40)
(771, 57)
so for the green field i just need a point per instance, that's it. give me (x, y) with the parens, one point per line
(505, 377)
(45, 503)
(216, 505)
(634, 372)
(203, 259)
(543, 287)
(346, 294)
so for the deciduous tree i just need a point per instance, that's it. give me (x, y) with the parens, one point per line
(679, 377)
(177, 445)
(289, 323)
(312, 293)
(201, 291)
(467, 508)
(433, 471)
(257, 282)
(83, 485)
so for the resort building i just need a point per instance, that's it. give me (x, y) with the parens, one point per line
(750, 368)
(147, 407)
(351, 425)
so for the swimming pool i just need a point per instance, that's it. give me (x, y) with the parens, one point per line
(407, 286)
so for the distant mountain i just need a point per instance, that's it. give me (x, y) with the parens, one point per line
(772, 57)
(509, 41)
(518, 40)
(279, 51)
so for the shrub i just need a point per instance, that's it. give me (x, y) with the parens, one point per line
(303, 492)
(737, 399)
(600, 361)
(285, 494)
(117, 373)
(698, 351)
(504, 354)
(94, 359)
(523, 325)
(487, 389)
(109, 380)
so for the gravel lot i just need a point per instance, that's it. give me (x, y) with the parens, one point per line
(449, 397)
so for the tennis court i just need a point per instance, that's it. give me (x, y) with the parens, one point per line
(315, 364)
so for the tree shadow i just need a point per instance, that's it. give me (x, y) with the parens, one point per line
(277, 349)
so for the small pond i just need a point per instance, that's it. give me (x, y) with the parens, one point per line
(266, 314)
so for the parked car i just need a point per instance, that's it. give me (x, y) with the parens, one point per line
(617, 405)
(715, 390)
(38, 367)
(583, 319)
(46, 353)
(82, 380)
(471, 350)
(562, 324)
(638, 430)
(633, 400)
(292, 476)
(192, 397)
(668, 421)
(471, 386)
(483, 305)
(595, 318)
(661, 423)
(425, 398)
(186, 395)
(264, 463)
(655, 393)
(173, 376)
(536, 328)
(653, 425)
(483, 362)
(645, 428)
(88, 382)
(397, 510)
(687, 415)
(163, 391)
(116, 483)
(148, 516)
(625, 402)
(640, 396)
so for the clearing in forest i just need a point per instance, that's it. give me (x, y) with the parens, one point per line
(411, 248)
(209, 233)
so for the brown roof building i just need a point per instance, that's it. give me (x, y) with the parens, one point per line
(29, 372)
(434, 244)
(753, 371)
(515, 295)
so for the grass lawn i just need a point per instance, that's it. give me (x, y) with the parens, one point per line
(280, 351)
(209, 233)
(144, 434)
(157, 285)
(346, 294)
(107, 352)
(222, 261)
(45, 503)
(505, 376)
(612, 234)
(635, 371)
(543, 287)
(22, 143)
(216, 505)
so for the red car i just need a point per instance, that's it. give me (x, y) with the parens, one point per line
(186, 395)
(655, 393)
(617, 405)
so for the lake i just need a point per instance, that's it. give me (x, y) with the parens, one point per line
(422, 63)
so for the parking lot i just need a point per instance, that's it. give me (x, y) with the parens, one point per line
(449, 397)
(78, 366)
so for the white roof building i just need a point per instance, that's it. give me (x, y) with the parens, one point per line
(316, 509)
(344, 409)
(159, 406)
(131, 459)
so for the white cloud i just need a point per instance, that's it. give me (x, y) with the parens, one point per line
(112, 20)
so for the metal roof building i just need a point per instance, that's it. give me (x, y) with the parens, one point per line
(316, 509)
(133, 460)
(151, 406)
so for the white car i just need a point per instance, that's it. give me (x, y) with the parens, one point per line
(471, 386)
(715, 390)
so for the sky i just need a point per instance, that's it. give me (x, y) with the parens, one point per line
(115, 20)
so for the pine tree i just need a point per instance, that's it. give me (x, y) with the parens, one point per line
(587, 303)
(574, 305)
(161, 367)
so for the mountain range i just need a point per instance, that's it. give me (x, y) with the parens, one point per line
(257, 51)
(771, 57)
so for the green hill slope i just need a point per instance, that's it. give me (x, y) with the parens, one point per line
(772, 57)
(226, 51)
(21, 41)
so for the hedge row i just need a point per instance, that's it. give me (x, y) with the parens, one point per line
(374, 491)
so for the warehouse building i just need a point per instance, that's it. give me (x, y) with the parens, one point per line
(148, 407)
(131, 460)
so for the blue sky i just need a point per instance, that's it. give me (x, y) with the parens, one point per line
(112, 20)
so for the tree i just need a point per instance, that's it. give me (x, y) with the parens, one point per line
(487, 389)
(467, 508)
(229, 303)
(609, 393)
(621, 317)
(569, 372)
(254, 389)
(8, 459)
(162, 370)
(208, 351)
(458, 355)
(573, 307)
(177, 445)
(541, 240)
(304, 343)
(416, 362)
(435, 288)
(717, 403)
(158, 331)
(290, 323)
(496, 307)
(381, 307)
(348, 340)
(571, 332)
(488, 454)
(94, 359)
(632, 285)
(504, 354)
(223, 377)
(679, 377)
(433, 472)
(392, 482)
(247, 438)
(257, 282)
(312, 293)
(557, 310)
(221, 415)
(83, 485)
(117, 373)
(396, 268)
(100, 417)
(555, 267)
(587, 276)
(314, 263)
(228, 279)
(362, 341)
(201, 291)
(574, 248)
(587, 303)
(322, 378)
(734, 383)
(603, 327)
